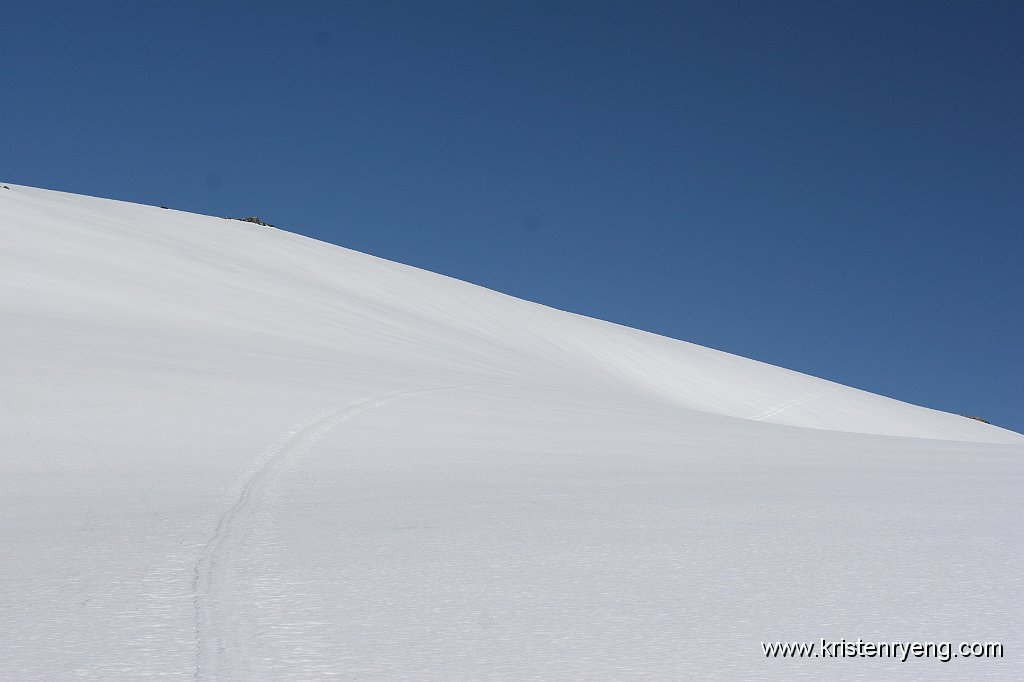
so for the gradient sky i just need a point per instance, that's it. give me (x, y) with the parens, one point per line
(834, 187)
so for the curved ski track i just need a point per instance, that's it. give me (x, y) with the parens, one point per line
(782, 407)
(213, 636)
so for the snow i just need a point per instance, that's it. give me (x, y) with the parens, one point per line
(231, 452)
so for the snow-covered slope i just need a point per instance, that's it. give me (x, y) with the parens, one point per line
(231, 452)
(109, 265)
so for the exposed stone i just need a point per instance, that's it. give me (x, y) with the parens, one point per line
(253, 219)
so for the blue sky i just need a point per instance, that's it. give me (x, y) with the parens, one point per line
(834, 187)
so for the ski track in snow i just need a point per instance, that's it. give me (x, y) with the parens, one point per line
(782, 407)
(215, 640)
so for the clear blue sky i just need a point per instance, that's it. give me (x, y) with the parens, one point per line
(834, 187)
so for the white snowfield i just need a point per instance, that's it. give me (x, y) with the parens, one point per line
(229, 452)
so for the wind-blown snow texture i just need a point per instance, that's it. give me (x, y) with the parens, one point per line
(231, 452)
